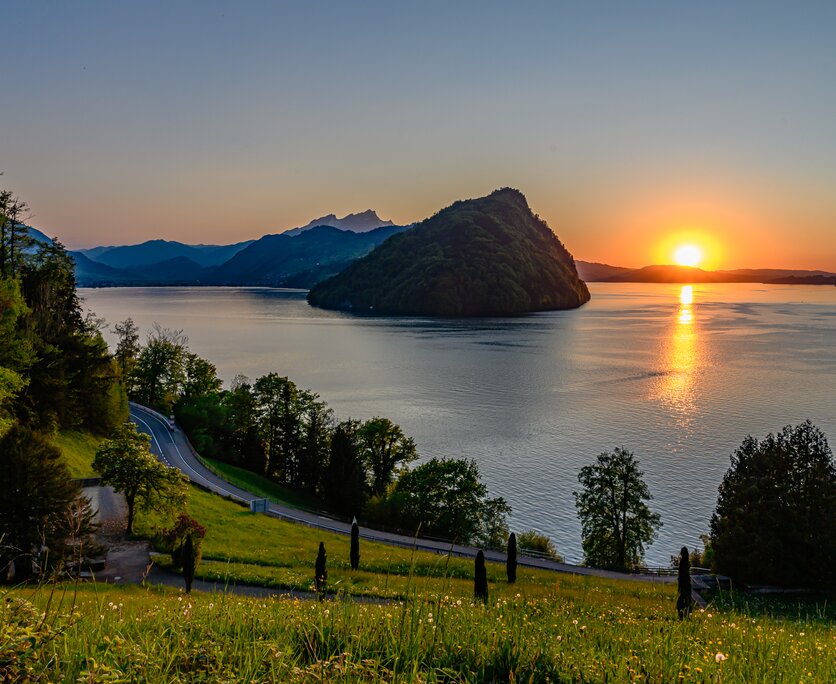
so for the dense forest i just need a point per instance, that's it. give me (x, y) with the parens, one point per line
(55, 374)
(485, 257)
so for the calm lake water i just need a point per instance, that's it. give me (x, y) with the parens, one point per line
(678, 374)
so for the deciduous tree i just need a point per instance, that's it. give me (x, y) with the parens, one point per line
(125, 462)
(616, 522)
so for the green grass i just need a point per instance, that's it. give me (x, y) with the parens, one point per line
(263, 487)
(79, 449)
(251, 548)
(574, 633)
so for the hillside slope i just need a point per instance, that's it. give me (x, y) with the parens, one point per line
(317, 252)
(483, 257)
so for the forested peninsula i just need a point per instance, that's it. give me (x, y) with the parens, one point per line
(490, 256)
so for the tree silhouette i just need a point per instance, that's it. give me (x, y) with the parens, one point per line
(480, 578)
(355, 545)
(320, 572)
(511, 562)
(683, 601)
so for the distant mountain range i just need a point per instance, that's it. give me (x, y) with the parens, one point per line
(356, 223)
(688, 274)
(299, 257)
(303, 256)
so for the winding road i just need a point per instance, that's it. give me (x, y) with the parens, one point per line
(172, 447)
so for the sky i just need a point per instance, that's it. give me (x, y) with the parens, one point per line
(631, 127)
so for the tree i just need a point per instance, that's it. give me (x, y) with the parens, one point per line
(480, 578)
(683, 600)
(189, 562)
(125, 462)
(511, 560)
(385, 448)
(279, 425)
(775, 521)
(320, 572)
(200, 377)
(446, 498)
(127, 350)
(354, 555)
(159, 373)
(344, 481)
(616, 523)
(40, 504)
(531, 540)
(317, 421)
(246, 446)
(14, 235)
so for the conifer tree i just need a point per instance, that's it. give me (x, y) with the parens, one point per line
(321, 572)
(355, 545)
(683, 601)
(480, 578)
(511, 562)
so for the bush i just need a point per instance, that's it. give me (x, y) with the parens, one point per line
(531, 540)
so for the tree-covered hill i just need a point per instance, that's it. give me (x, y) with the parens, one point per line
(490, 256)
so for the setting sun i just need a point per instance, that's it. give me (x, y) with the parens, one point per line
(688, 255)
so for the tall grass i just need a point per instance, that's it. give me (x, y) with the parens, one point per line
(135, 634)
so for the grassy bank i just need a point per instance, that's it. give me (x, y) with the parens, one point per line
(130, 633)
(256, 549)
(79, 449)
(261, 486)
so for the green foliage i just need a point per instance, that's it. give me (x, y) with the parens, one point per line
(39, 504)
(159, 374)
(775, 521)
(125, 462)
(385, 448)
(616, 523)
(531, 540)
(485, 257)
(344, 480)
(127, 350)
(445, 498)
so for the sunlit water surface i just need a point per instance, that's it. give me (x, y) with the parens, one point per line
(677, 374)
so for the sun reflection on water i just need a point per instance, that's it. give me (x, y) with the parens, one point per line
(679, 361)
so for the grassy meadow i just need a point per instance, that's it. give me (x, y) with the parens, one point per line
(547, 627)
(579, 631)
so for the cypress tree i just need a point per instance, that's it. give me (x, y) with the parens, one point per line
(355, 545)
(511, 562)
(480, 578)
(321, 572)
(189, 562)
(683, 601)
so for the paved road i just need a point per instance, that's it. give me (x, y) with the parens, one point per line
(172, 447)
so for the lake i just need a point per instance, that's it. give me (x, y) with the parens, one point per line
(677, 374)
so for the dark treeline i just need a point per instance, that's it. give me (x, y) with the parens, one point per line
(289, 435)
(55, 374)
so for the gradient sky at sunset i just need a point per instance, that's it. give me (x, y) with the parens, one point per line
(630, 126)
